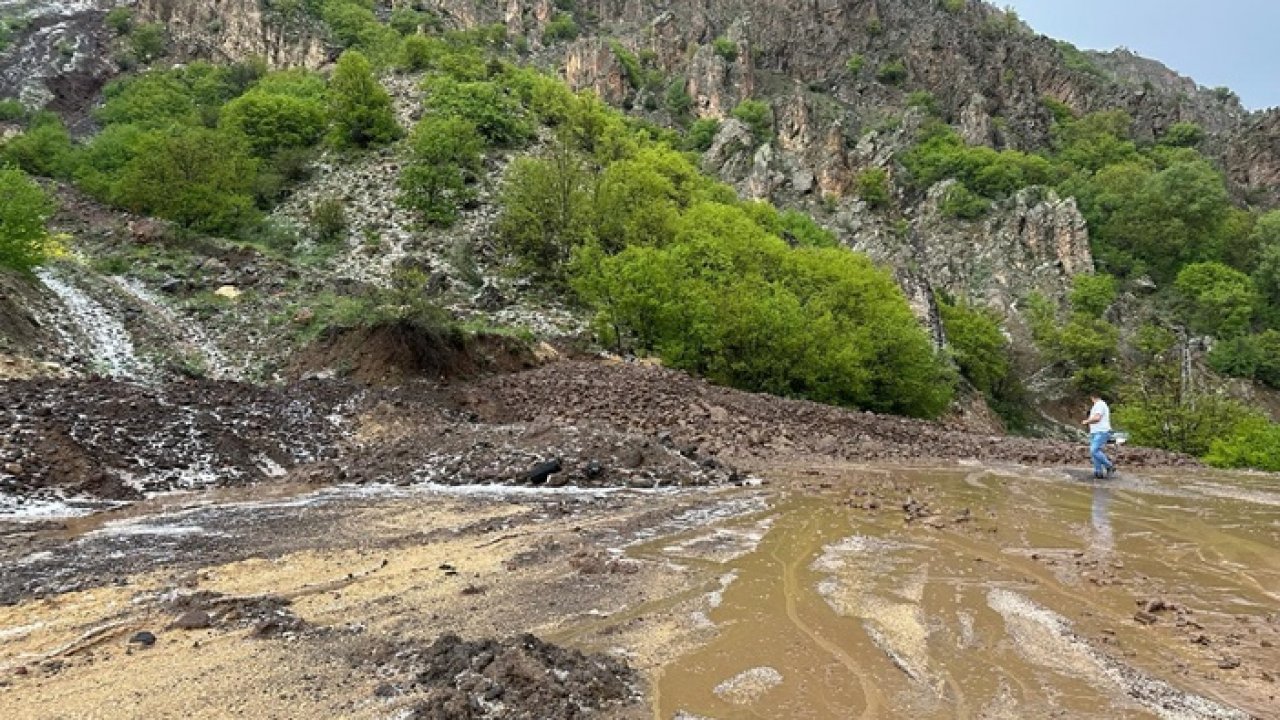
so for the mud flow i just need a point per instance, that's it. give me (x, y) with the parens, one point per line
(995, 596)
(833, 591)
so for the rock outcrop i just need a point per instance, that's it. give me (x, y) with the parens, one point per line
(236, 29)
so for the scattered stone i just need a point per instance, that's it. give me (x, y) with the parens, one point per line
(1229, 663)
(748, 686)
(540, 472)
(193, 620)
(1145, 618)
(304, 316)
(228, 292)
(143, 639)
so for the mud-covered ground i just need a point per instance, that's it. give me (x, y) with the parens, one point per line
(581, 423)
(603, 539)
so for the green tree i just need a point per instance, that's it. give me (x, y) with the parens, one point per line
(1214, 299)
(445, 156)
(44, 149)
(758, 116)
(496, 112)
(271, 122)
(148, 41)
(547, 210)
(979, 348)
(1092, 295)
(359, 106)
(197, 177)
(872, 185)
(24, 213)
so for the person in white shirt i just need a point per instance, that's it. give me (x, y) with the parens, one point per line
(1099, 422)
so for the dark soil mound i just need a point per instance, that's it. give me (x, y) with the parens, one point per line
(647, 400)
(519, 678)
(112, 440)
(394, 352)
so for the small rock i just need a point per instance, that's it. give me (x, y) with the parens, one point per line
(193, 620)
(1145, 618)
(304, 316)
(228, 292)
(143, 638)
(540, 472)
(1229, 663)
(13, 468)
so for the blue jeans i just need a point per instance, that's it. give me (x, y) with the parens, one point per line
(1101, 462)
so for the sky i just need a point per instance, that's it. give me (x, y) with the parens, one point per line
(1235, 43)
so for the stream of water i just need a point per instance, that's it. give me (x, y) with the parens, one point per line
(97, 333)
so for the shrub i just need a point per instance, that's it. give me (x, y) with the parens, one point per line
(979, 348)
(892, 72)
(678, 101)
(148, 42)
(495, 112)
(547, 210)
(1214, 299)
(406, 20)
(1093, 294)
(1183, 424)
(1253, 443)
(120, 20)
(703, 132)
(729, 301)
(855, 63)
(445, 155)
(24, 239)
(44, 149)
(1183, 134)
(726, 48)
(11, 110)
(359, 106)
(416, 53)
(872, 185)
(271, 123)
(197, 177)
(961, 202)
(758, 116)
(561, 27)
(953, 5)
(329, 221)
(924, 100)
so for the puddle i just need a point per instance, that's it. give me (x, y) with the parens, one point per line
(1010, 596)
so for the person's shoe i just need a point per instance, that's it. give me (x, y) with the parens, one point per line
(1097, 476)
(1111, 470)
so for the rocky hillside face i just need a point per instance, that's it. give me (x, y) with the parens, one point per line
(823, 68)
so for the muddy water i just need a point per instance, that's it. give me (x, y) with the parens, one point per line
(1005, 596)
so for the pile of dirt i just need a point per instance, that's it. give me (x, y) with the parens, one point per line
(116, 440)
(522, 677)
(395, 352)
(721, 422)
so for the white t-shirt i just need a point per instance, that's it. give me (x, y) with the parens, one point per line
(1103, 412)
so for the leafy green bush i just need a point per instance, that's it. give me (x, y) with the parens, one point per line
(961, 202)
(924, 100)
(872, 185)
(1183, 134)
(1253, 443)
(1188, 425)
(120, 20)
(1093, 294)
(11, 110)
(758, 116)
(546, 210)
(148, 41)
(495, 112)
(1214, 299)
(561, 27)
(44, 149)
(726, 48)
(678, 100)
(703, 132)
(24, 212)
(855, 63)
(329, 221)
(953, 5)
(199, 178)
(979, 348)
(359, 106)
(416, 53)
(993, 174)
(271, 122)
(892, 72)
(445, 156)
(727, 300)
(407, 21)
